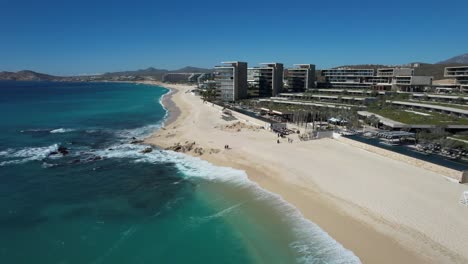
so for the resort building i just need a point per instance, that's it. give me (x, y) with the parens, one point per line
(231, 81)
(207, 85)
(301, 77)
(193, 77)
(348, 78)
(204, 77)
(251, 76)
(265, 81)
(392, 72)
(411, 83)
(385, 79)
(445, 86)
(460, 74)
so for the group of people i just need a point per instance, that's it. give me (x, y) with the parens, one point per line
(226, 146)
(289, 141)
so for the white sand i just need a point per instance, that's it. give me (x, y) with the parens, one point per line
(385, 211)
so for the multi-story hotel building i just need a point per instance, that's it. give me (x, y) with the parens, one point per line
(301, 77)
(265, 81)
(385, 79)
(411, 83)
(231, 81)
(392, 72)
(347, 78)
(460, 74)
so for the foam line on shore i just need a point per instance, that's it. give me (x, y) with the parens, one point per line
(312, 243)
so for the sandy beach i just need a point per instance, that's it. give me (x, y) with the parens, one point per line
(385, 211)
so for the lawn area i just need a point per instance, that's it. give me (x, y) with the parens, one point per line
(463, 137)
(457, 106)
(416, 119)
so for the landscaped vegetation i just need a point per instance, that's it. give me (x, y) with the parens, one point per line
(406, 117)
(458, 106)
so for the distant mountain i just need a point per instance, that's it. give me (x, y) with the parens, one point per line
(193, 70)
(460, 59)
(148, 72)
(27, 76)
(142, 74)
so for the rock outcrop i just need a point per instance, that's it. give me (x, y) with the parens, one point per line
(188, 146)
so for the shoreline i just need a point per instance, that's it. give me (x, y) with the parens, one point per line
(367, 233)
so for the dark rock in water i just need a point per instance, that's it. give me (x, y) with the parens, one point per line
(53, 153)
(97, 158)
(63, 150)
(147, 150)
(136, 141)
(133, 138)
(111, 149)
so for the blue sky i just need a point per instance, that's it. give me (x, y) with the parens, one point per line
(82, 37)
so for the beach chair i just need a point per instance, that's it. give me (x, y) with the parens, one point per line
(464, 199)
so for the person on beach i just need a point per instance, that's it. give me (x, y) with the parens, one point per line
(277, 141)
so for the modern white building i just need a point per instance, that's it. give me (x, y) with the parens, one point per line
(301, 77)
(231, 81)
(392, 72)
(266, 80)
(411, 83)
(460, 74)
(384, 79)
(348, 78)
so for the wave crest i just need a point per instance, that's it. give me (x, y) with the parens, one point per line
(312, 244)
(61, 130)
(24, 155)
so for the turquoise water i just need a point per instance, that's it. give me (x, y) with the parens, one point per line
(106, 202)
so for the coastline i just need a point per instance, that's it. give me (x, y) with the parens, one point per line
(374, 236)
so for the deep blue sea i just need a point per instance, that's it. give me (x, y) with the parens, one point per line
(100, 200)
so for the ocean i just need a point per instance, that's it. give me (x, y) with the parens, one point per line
(73, 189)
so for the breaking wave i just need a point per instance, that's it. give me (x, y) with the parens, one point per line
(61, 130)
(313, 245)
(23, 155)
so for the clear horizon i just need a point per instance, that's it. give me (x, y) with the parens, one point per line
(60, 38)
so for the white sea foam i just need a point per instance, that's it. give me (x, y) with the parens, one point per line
(140, 132)
(61, 130)
(23, 155)
(6, 152)
(34, 130)
(313, 245)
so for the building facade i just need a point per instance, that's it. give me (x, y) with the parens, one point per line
(411, 83)
(231, 81)
(384, 79)
(265, 81)
(460, 74)
(301, 77)
(348, 78)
